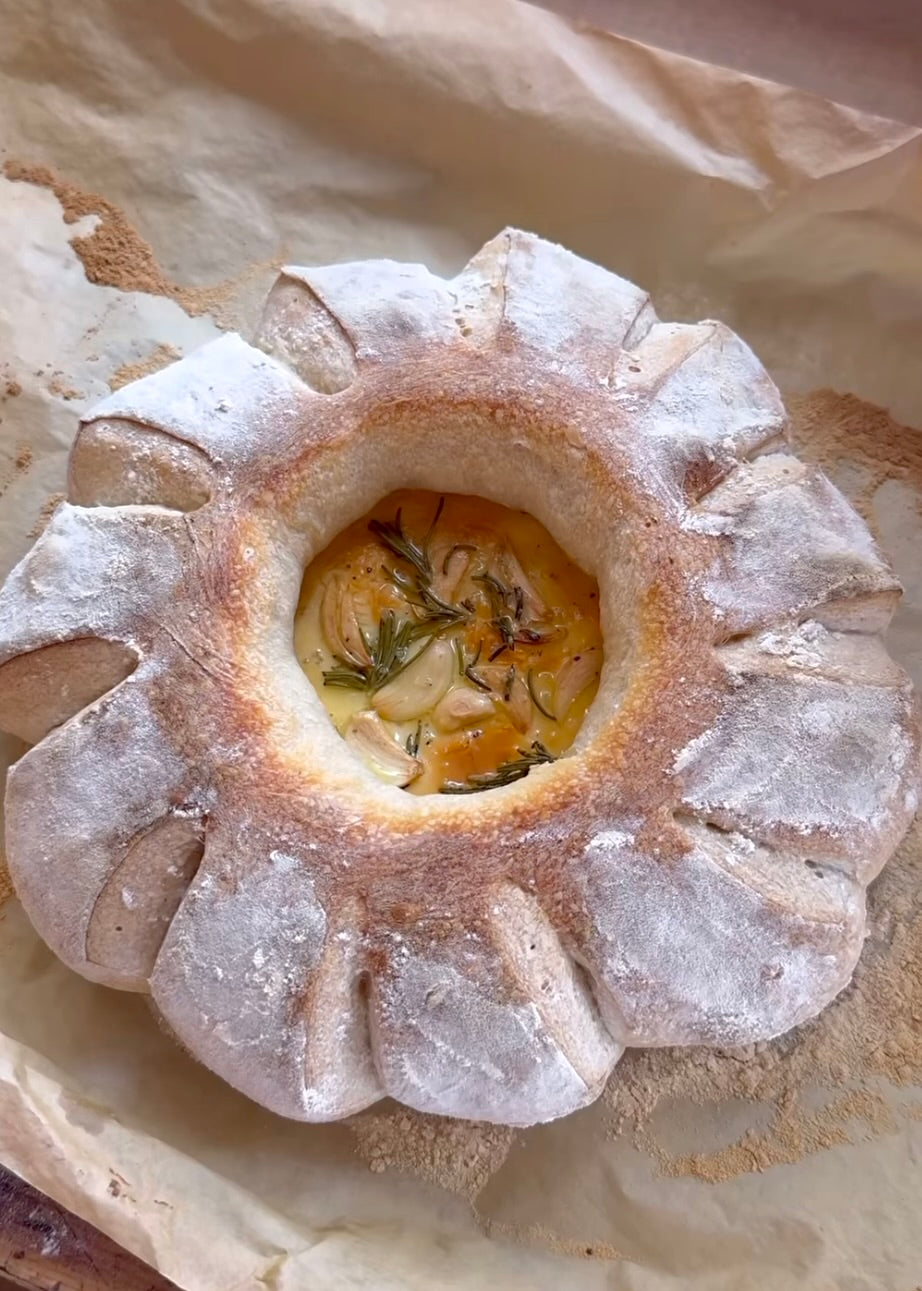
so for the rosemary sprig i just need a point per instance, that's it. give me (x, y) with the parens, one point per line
(533, 636)
(466, 666)
(436, 608)
(505, 773)
(460, 654)
(498, 593)
(401, 544)
(434, 613)
(507, 605)
(533, 691)
(389, 648)
(389, 653)
(397, 540)
(346, 675)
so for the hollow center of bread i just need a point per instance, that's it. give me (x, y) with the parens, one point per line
(452, 641)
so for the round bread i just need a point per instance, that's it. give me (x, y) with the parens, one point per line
(189, 822)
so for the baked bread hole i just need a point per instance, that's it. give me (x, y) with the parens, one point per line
(453, 643)
(116, 462)
(46, 687)
(525, 455)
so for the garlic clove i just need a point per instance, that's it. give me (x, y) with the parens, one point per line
(367, 735)
(510, 687)
(329, 612)
(534, 609)
(574, 676)
(519, 705)
(462, 706)
(340, 623)
(354, 614)
(451, 564)
(419, 687)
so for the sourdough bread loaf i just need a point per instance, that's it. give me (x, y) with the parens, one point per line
(190, 824)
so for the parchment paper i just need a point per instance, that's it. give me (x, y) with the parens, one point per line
(237, 134)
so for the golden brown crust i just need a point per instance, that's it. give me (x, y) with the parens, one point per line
(691, 872)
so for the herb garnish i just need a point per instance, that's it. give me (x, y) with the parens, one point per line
(507, 605)
(505, 773)
(466, 666)
(436, 613)
(532, 690)
(475, 679)
(460, 654)
(388, 652)
(394, 538)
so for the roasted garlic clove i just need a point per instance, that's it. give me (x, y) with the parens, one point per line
(419, 686)
(340, 622)
(451, 564)
(462, 707)
(519, 704)
(574, 676)
(509, 686)
(367, 735)
(534, 608)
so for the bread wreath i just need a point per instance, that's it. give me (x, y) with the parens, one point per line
(189, 823)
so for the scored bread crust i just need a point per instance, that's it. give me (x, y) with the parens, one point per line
(190, 824)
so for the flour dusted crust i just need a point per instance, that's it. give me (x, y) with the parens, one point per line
(190, 824)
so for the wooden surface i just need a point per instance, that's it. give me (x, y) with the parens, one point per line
(44, 1247)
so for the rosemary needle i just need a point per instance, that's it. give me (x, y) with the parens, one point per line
(435, 520)
(413, 740)
(459, 546)
(458, 647)
(532, 690)
(389, 653)
(505, 773)
(394, 538)
(475, 679)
